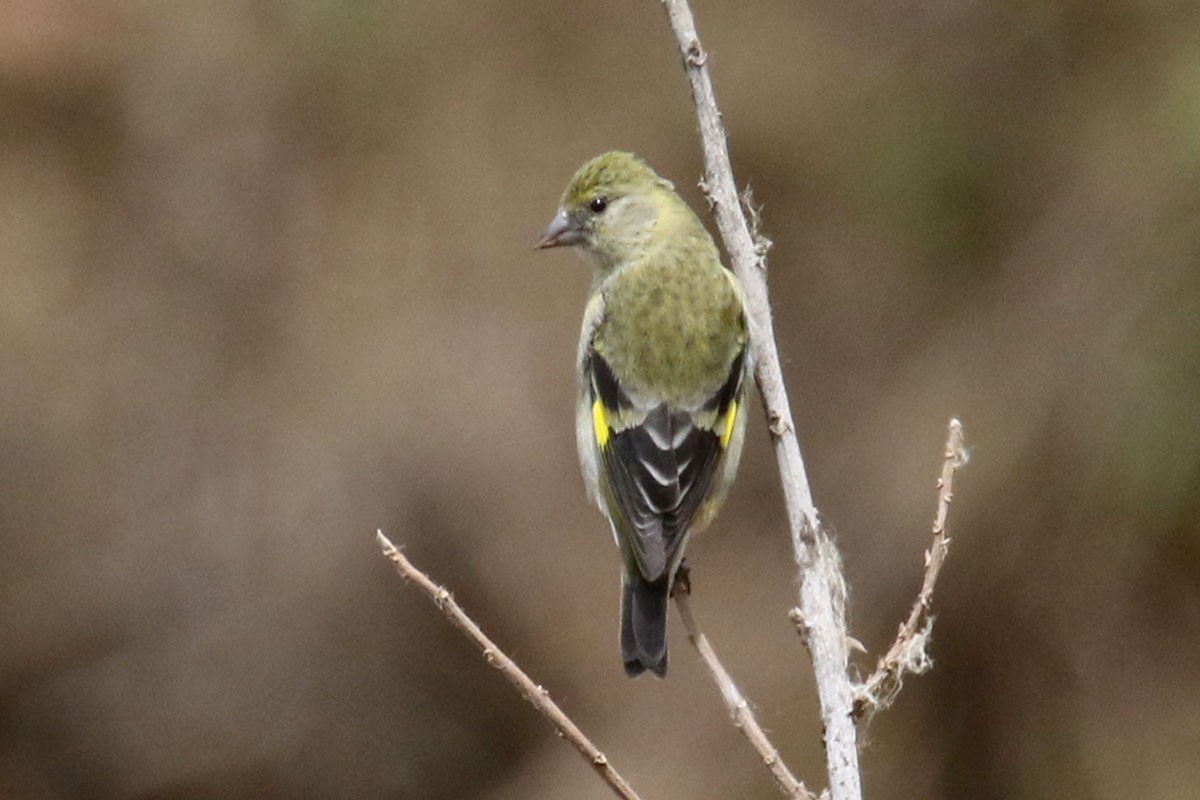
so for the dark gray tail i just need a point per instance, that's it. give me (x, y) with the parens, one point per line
(644, 625)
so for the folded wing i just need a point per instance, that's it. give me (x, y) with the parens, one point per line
(659, 462)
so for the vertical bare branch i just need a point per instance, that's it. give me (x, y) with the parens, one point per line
(822, 588)
(531, 691)
(908, 653)
(738, 706)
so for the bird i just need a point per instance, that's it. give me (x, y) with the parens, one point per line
(662, 371)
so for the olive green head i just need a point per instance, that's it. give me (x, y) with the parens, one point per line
(610, 208)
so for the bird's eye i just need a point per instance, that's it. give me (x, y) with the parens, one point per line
(598, 204)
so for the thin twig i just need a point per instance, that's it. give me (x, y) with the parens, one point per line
(821, 609)
(908, 653)
(738, 707)
(531, 691)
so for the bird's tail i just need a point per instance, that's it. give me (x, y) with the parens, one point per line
(644, 624)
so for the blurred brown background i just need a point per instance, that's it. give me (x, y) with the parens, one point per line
(268, 284)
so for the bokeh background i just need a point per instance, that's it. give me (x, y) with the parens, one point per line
(268, 284)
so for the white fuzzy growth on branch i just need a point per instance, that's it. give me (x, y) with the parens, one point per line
(909, 652)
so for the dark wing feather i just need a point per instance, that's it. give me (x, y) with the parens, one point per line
(660, 470)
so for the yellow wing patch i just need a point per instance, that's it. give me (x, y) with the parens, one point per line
(730, 417)
(600, 423)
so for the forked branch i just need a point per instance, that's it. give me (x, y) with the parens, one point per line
(908, 652)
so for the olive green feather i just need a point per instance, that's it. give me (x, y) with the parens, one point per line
(662, 379)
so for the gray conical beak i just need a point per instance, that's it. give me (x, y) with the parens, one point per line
(562, 231)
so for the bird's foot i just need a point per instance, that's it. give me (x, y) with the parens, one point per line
(683, 579)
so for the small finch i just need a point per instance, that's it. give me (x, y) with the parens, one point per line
(662, 379)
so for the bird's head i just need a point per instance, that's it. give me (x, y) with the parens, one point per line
(610, 209)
